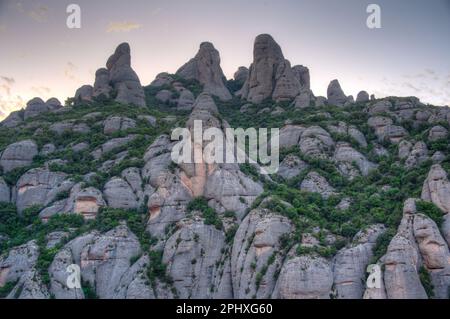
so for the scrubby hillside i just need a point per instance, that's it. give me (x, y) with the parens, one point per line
(92, 183)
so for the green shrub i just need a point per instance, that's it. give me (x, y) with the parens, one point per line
(430, 210)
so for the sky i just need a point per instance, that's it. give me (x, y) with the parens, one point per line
(408, 56)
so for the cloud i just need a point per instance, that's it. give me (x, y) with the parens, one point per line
(37, 13)
(2, 28)
(69, 71)
(41, 90)
(10, 104)
(6, 85)
(411, 86)
(123, 27)
(8, 80)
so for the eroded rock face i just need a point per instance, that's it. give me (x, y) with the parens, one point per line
(436, 188)
(224, 186)
(418, 155)
(304, 277)
(291, 167)
(315, 183)
(119, 194)
(417, 247)
(437, 132)
(39, 187)
(116, 123)
(105, 262)
(256, 241)
(290, 135)
(343, 128)
(18, 266)
(195, 260)
(350, 264)
(205, 68)
(302, 74)
(315, 142)
(88, 202)
(304, 99)
(17, 155)
(385, 130)
(347, 158)
(401, 273)
(14, 119)
(270, 75)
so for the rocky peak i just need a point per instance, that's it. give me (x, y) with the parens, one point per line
(205, 68)
(270, 75)
(118, 77)
(302, 74)
(335, 94)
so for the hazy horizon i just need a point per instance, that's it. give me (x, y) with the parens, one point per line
(408, 56)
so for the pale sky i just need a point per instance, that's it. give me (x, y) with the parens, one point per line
(409, 55)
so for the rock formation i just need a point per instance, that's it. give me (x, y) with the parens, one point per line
(270, 75)
(205, 68)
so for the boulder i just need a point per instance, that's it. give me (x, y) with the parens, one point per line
(185, 101)
(116, 123)
(102, 87)
(385, 130)
(18, 155)
(241, 75)
(119, 194)
(362, 97)
(315, 142)
(84, 94)
(291, 167)
(437, 133)
(404, 149)
(35, 107)
(347, 157)
(418, 155)
(205, 68)
(315, 183)
(436, 188)
(335, 95)
(304, 99)
(162, 79)
(39, 187)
